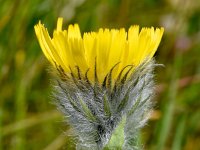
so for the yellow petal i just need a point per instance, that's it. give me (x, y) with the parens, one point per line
(104, 48)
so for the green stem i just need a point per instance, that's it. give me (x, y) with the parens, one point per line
(166, 122)
(20, 114)
(117, 138)
(178, 139)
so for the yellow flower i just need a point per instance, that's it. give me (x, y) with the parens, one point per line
(98, 51)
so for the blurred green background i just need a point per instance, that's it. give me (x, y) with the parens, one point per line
(29, 120)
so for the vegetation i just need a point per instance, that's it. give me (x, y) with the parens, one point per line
(29, 120)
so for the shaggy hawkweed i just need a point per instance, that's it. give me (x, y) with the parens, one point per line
(104, 83)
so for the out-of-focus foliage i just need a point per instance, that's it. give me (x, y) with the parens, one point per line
(28, 120)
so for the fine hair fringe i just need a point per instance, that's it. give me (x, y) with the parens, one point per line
(95, 110)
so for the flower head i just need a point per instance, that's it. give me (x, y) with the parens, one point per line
(104, 77)
(103, 49)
